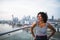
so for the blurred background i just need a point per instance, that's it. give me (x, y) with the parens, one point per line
(16, 17)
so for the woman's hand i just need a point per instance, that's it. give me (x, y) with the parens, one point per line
(34, 38)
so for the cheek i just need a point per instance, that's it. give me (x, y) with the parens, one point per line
(39, 18)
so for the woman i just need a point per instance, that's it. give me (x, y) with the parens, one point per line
(41, 26)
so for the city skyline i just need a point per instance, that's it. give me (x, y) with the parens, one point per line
(21, 8)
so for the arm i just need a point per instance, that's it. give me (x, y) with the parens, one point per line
(52, 29)
(33, 25)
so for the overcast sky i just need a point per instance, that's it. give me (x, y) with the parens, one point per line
(20, 8)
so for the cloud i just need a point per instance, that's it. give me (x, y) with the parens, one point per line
(28, 7)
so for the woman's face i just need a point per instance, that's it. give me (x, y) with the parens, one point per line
(39, 17)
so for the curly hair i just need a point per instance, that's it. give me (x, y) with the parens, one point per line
(44, 16)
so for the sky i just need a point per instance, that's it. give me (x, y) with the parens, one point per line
(21, 8)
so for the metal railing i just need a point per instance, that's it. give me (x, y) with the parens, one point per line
(13, 31)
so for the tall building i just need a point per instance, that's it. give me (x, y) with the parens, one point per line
(52, 17)
(14, 19)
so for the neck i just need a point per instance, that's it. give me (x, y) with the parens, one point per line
(40, 21)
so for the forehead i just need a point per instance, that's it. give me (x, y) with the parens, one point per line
(39, 15)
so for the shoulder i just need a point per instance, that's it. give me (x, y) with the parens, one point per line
(49, 25)
(34, 24)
